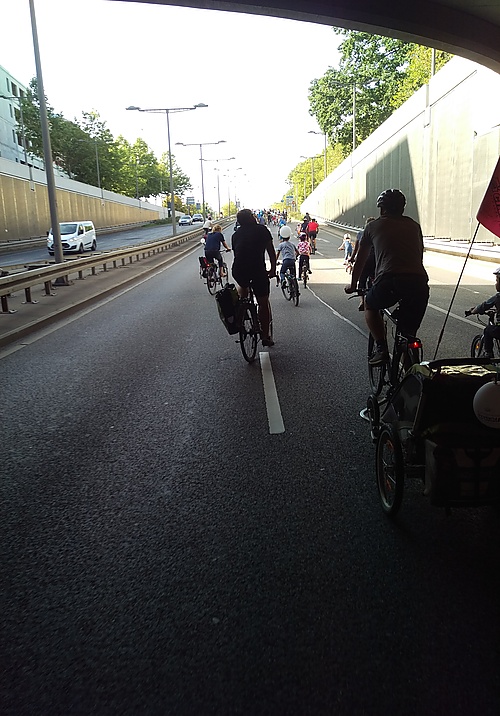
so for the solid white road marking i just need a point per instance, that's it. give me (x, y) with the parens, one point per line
(274, 417)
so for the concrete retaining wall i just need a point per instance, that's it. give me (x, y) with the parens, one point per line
(24, 204)
(440, 148)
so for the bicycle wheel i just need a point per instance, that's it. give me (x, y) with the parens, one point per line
(286, 288)
(305, 277)
(249, 332)
(295, 291)
(224, 277)
(477, 346)
(389, 467)
(376, 373)
(373, 413)
(211, 281)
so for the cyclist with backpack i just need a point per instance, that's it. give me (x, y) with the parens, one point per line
(491, 331)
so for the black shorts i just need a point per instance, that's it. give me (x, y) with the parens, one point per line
(312, 234)
(412, 293)
(213, 255)
(259, 280)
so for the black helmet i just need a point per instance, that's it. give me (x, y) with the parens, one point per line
(392, 200)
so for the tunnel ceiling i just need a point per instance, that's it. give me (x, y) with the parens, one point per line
(470, 28)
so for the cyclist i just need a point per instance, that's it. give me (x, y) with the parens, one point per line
(312, 232)
(305, 222)
(304, 249)
(346, 245)
(207, 226)
(491, 331)
(288, 253)
(213, 241)
(251, 241)
(400, 275)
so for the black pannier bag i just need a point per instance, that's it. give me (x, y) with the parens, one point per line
(227, 305)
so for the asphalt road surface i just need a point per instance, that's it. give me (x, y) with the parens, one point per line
(109, 242)
(164, 552)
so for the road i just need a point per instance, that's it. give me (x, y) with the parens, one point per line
(165, 553)
(109, 241)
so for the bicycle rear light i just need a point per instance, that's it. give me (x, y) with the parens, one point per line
(416, 343)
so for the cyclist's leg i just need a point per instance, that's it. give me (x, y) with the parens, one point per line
(490, 332)
(413, 295)
(381, 295)
(302, 259)
(260, 285)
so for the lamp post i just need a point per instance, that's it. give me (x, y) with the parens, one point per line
(201, 145)
(217, 170)
(312, 172)
(168, 111)
(311, 131)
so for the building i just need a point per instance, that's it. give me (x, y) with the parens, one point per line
(11, 134)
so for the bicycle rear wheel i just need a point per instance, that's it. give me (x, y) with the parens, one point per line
(224, 277)
(211, 281)
(477, 345)
(286, 288)
(295, 291)
(376, 373)
(305, 277)
(249, 331)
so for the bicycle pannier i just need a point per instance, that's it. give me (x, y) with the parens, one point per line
(204, 264)
(227, 305)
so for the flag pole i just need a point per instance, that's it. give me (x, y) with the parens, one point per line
(455, 292)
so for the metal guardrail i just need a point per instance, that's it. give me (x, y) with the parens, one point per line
(60, 272)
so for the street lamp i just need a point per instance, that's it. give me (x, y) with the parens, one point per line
(167, 111)
(201, 145)
(217, 170)
(312, 171)
(23, 135)
(311, 131)
(94, 139)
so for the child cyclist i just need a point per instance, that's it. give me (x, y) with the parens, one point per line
(304, 249)
(288, 253)
(491, 331)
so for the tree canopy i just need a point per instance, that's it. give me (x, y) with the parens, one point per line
(375, 76)
(87, 151)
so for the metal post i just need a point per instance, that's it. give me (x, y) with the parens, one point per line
(325, 165)
(202, 185)
(47, 149)
(218, 190)
(354, 117)
(172, 197)
(312, 174)
(97, 166)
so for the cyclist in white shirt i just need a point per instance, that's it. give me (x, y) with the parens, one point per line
(207, 226)
(288, 253)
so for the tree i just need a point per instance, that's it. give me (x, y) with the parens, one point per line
(371, 73)
(419, 71)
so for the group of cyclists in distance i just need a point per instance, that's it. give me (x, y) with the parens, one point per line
(387, 266)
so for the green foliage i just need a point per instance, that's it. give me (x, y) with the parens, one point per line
(372, 73)
(87, 152)
(419, 72)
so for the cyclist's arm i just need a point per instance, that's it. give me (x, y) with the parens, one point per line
(273, 257)
(363, 253)
(487, 305)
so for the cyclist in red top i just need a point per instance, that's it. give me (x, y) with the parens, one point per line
(312, 232)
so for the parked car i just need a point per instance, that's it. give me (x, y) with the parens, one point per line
(76, 236)
(198, 219)
(185, 220)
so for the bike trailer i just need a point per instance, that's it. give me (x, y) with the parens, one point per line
(204, 264)
(442, 440)
(227, 305)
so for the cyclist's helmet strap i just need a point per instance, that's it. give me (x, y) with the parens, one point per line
(392, 201)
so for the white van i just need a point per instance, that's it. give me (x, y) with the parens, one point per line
(76, 236)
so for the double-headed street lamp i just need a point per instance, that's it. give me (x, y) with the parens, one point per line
(201, 145)
(167, 111)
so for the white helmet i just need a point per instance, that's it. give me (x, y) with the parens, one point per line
(486, 405)
(285, 232)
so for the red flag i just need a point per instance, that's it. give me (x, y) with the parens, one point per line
(489, 211)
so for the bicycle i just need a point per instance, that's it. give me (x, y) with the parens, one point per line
(290, 288)
(477, 345)
(407, 351)
(214, 276)
(250, 331)
(304, 275)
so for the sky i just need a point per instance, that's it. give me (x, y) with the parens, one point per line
(253, 73)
